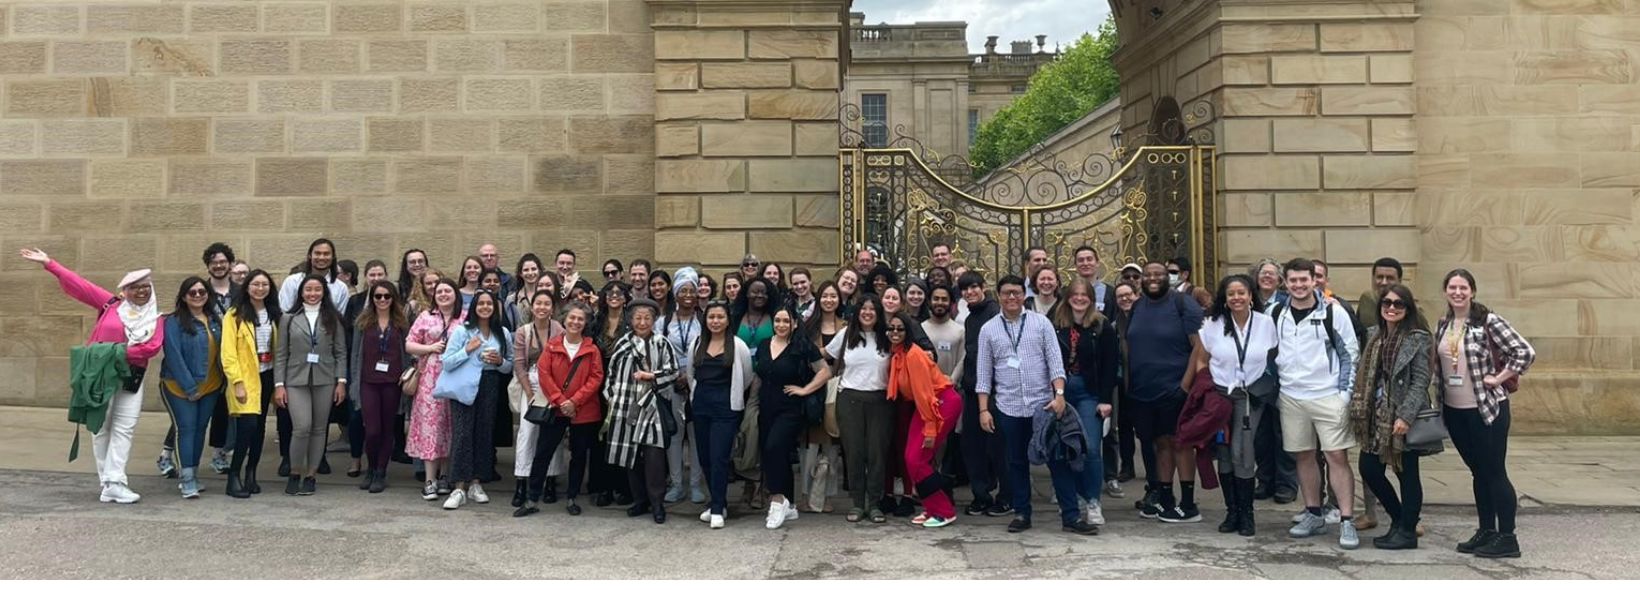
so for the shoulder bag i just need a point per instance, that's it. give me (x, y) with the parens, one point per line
(517, 395)
(1427, 433)
(410, 379)
(544, 414)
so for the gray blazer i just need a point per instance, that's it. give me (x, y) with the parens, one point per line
(290, 365)
(1408, 387)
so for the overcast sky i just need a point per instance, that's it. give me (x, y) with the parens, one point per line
(1011, 20)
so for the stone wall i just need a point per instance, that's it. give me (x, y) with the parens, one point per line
(746, 131)
(1528, 139)
(133, 133)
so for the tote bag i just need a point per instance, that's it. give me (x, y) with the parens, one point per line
(459, 383)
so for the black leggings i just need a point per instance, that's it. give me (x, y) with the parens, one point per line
(1484, 448)
(780, 421)
(547, 438)
(1406, 508)
(258, 431)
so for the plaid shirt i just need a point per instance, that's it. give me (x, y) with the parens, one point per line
(1478, 343)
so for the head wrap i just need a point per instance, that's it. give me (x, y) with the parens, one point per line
(684, 278)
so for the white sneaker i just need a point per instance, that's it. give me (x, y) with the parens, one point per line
(477, 492)
(118, 493)
(717, 521)
(1334, 516)
(777, 515)
(1094, 513)
(706, 515)
(791, 510)
(456, 499)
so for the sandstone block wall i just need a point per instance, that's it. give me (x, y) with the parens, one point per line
(1528, 171)
(745, 134)
(135, 132)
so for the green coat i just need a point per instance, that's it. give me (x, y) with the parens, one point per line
(96, 373)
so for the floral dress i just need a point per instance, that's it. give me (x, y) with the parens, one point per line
(429, 435)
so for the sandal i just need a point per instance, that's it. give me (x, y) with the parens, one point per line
(854, 514)
(877, 517)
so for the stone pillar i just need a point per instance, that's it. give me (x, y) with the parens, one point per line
(1318, 137)
(746, 99)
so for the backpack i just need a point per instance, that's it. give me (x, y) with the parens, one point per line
(1326, 321)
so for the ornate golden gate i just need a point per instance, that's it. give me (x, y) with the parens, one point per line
(1154, 204)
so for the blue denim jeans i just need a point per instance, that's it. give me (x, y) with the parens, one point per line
(1016, 440)
(190, 419)
(1090, 481)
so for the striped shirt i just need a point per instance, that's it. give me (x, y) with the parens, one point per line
(1018, 387)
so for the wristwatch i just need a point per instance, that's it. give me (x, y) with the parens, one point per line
(1058, 393)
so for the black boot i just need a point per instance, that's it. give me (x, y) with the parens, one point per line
(1500, 545)
(378, 480)
(1244, 496)
(234, 488)
(603, 499)
(1399, 537)
(638, 509)
(250, 482)
(1481, 537)
(518, 493)
(550, 495)
(1232, 507)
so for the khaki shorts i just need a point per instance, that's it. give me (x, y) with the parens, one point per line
(1303, 421)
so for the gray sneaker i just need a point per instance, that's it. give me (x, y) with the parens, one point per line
(1347, 537)
(1309, 525)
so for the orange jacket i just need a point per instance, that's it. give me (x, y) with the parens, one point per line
(912, 373)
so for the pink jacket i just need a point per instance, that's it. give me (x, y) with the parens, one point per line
(108, 327)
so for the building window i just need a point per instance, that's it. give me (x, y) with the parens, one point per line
(875, 109)
(1018, 89)
(973, 125)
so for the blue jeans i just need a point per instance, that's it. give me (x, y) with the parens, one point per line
(715, 428)
(1016, 441)
(1090, 481)
(191, 419)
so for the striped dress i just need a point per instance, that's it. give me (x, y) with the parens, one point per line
(632, 419)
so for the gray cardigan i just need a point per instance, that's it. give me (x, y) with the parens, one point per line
(290, 366)
(1408, 386)
(355, 362)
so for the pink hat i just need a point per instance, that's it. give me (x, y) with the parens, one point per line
(135, 276)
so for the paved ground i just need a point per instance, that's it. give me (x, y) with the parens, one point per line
(54, 528)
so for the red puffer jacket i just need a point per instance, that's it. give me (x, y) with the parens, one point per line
(553, 368)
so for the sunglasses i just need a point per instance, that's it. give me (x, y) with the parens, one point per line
(612, 273)
(196, 293)
(896, 329)
(1392, 304)
(382, 296)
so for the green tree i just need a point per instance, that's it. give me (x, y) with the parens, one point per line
(1060, 93)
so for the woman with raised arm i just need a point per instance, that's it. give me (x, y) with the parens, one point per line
(789, 368)
(131, 319)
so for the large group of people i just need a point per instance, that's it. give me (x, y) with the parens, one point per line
(900, 386)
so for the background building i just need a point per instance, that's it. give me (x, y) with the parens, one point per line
(920, 79)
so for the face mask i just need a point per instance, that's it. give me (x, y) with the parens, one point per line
(1172, 279)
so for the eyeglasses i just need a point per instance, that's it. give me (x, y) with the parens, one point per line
(1012, 294)
(382, 296)
(896, 328)
(1392, 304)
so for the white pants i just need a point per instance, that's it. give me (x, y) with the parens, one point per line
(112, 445)
(524, 451)
(678, 448)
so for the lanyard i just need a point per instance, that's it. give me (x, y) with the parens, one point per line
(313, 336)
(1241, 347)
(1012, 339)
(381, 341)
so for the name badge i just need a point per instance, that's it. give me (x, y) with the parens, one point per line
(381, 366)
(944, 346)
(1013, 362)
(313, 358)
(1454, 381)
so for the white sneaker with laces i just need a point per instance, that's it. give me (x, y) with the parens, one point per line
(1094, 513)
(717, 521)
(456, 499)
(119, 493)
(791, 510)
(429, 492)
(1334, 516)
(706, 515)
(777, 516)
(476, 491)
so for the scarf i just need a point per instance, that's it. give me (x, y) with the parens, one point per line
(141, 322)
(1371, 414)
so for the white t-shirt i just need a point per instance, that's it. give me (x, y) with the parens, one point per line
(863, 368)
(573, 348)
(1258, 337)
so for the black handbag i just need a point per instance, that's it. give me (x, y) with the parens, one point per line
(1427, 434)
(669, 421)
(543, 415)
